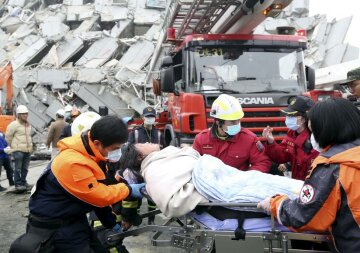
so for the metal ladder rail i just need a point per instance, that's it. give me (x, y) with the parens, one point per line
(212, 15)
(190, 18)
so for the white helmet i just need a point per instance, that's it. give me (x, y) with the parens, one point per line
(226, 107)
(22, 109)
(61, 113)
(68, 108)
(84, 122)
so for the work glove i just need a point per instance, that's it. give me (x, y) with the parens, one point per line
(265, 205)
(135, 190)
(8, 150)
(117, 228)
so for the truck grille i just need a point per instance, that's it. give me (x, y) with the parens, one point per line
(256, 119)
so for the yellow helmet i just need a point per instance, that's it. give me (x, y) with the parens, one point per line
(226, 107)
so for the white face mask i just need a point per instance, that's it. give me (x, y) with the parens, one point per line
(149, 121)
(314, 143)
(114, 156)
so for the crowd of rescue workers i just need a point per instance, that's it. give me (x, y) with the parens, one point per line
(91, 154)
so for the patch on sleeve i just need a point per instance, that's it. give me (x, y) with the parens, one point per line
(259, 146)
(307, 193)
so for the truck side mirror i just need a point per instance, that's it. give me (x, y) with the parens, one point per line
(310, 77)
(167, 79)
(166, 62)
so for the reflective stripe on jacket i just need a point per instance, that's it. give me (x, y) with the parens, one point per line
(329, 199)
(241, 151)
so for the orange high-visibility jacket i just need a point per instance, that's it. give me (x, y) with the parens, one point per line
(329, 199)
(79, 173)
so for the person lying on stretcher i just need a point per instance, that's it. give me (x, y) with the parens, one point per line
(178, 179)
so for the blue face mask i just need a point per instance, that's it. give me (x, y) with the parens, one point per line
(233, 129)
(115, 155)
(291, 123)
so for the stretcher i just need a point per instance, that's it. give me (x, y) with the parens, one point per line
(193, 236)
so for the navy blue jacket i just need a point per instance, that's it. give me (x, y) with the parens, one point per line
(3, 144)
(52, 201)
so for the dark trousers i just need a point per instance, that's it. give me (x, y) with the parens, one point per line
(6, 163)
(22, 161)
(77, 237)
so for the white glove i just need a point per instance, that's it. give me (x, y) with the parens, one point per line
(8, 150)
(265, 205)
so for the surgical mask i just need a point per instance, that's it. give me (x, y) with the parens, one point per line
(149, 120)
(114, 156)
(315, 144)
(291, 123)
(233, 129)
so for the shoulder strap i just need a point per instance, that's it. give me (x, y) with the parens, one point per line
(136, 135)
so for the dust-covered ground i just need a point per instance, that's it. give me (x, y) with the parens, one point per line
(14, 211)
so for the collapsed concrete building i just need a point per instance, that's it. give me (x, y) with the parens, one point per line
(91, 53)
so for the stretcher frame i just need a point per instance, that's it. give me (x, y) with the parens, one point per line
(193, 236)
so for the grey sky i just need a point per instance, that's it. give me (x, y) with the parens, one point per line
(339, 10)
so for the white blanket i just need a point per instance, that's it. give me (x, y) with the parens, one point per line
(221, 183)
(167, 174)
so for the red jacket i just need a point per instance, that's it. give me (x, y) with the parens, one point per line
(243, 151)
(292, 150)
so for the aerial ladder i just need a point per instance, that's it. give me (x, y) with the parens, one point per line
(185, 17)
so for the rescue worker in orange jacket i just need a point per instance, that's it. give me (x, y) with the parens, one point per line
(329, 198)
(72, 185)
(227, 140)
(296, 146)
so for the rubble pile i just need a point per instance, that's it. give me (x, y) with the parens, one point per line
(79, 52)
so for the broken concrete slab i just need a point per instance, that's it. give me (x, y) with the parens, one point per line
(23, 31)
(111, 13)
(21, 58)
(121, 29)
(53, 107)
(137, 55)
(37, 116)
(23, 77)
(126, 75)
(20, 3)
(10, 24)
(99, 52)
(53, 29)
(95, 96)
(79, 13)
(57, 78)
(87, 24)
(91, 36)
(87, 75)
(145, 16)
(59, 54)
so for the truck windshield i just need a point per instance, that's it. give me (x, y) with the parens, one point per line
(245, 71)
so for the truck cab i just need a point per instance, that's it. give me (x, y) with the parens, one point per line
(262, 71)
